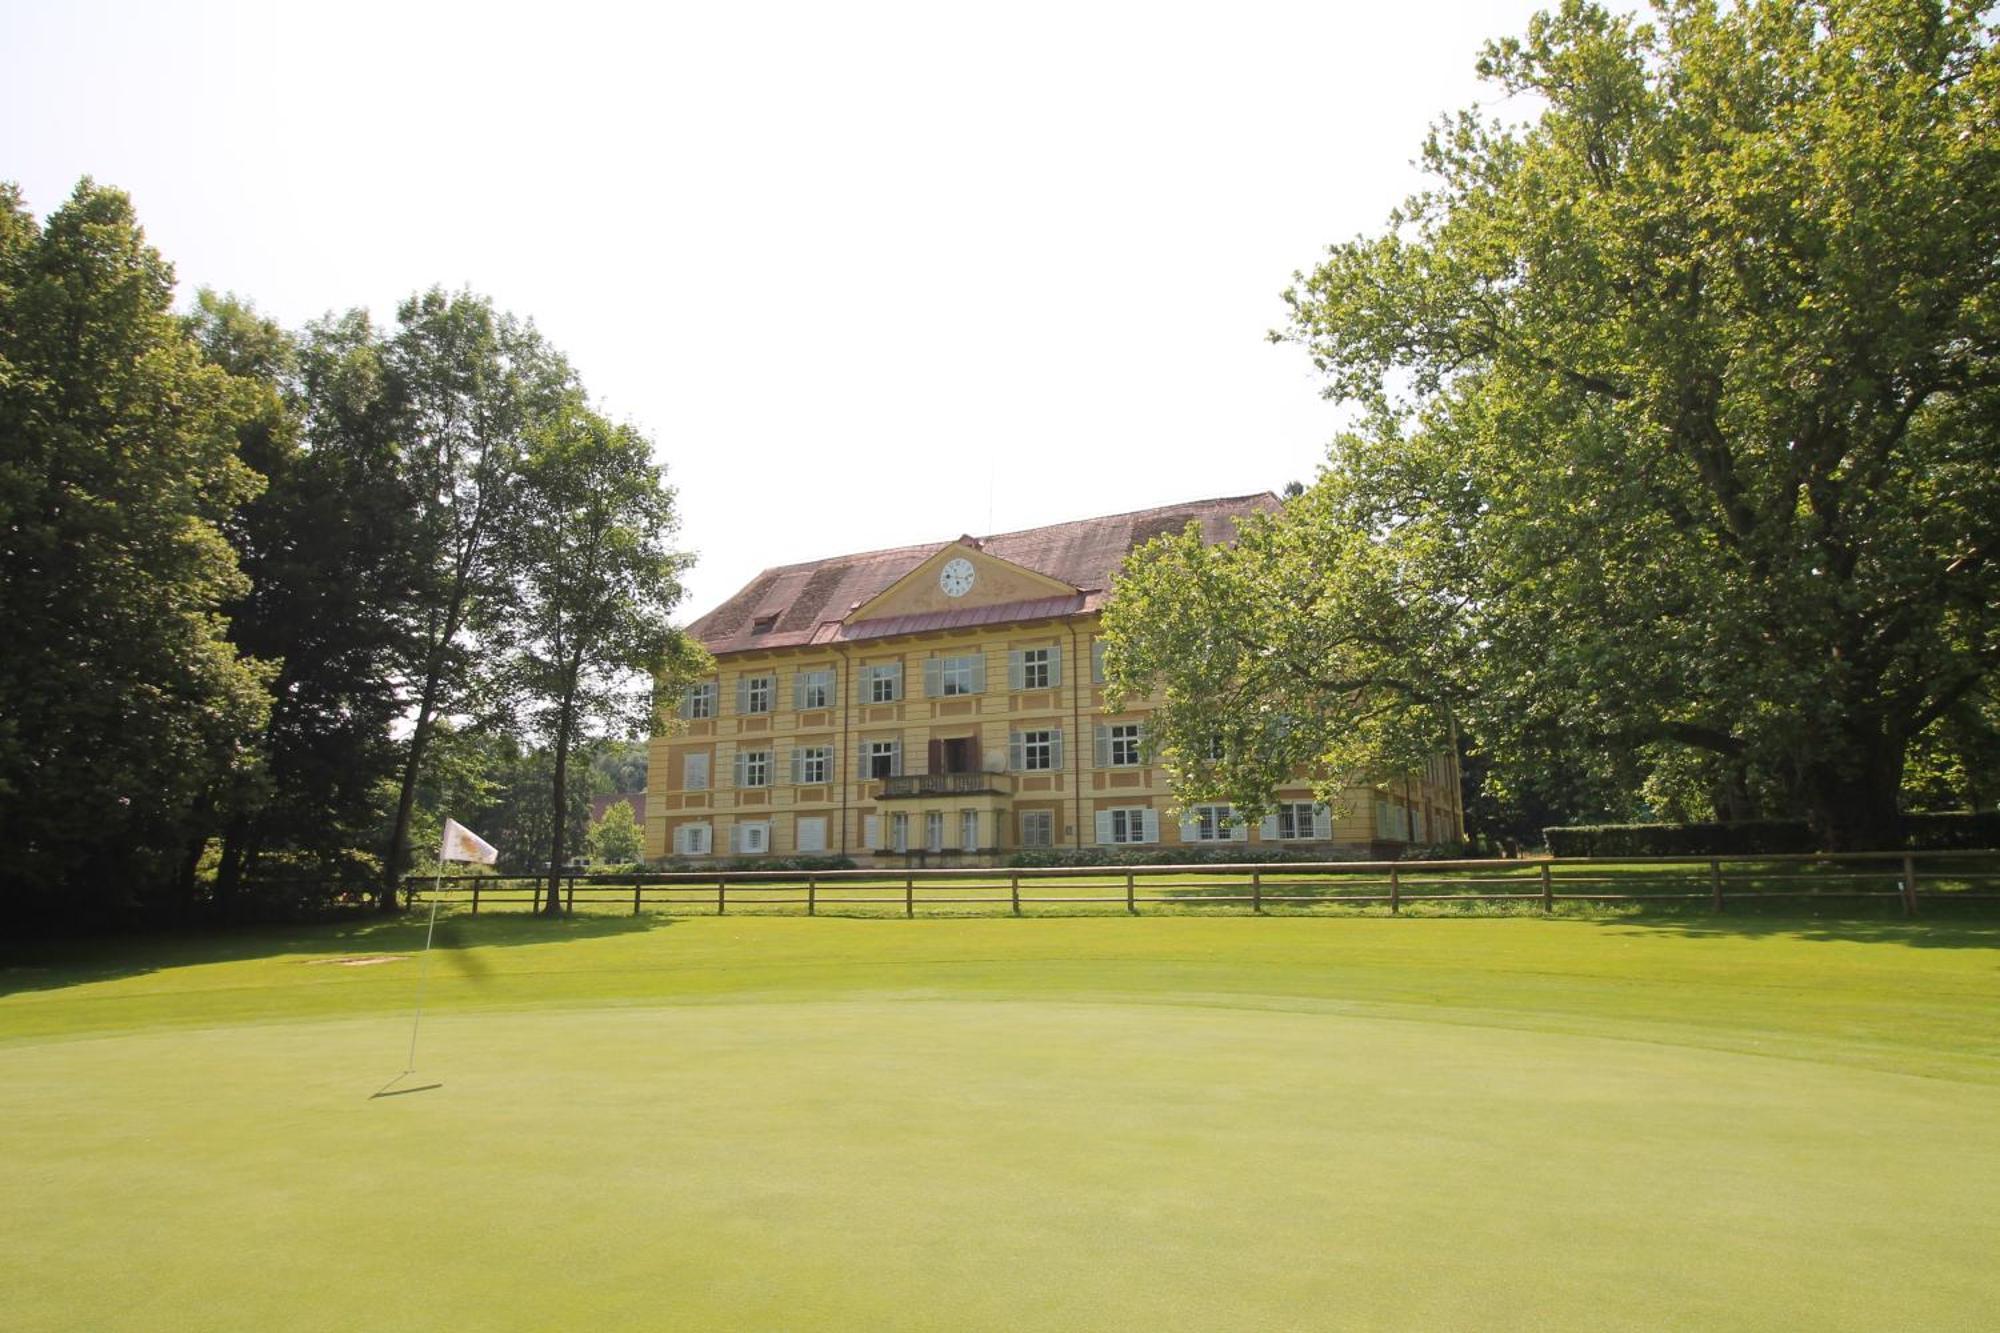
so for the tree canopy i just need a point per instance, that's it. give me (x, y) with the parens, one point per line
(1679, 454)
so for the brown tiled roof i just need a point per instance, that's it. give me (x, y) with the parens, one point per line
(806, 603)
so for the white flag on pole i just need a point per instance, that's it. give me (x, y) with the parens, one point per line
(462, 844)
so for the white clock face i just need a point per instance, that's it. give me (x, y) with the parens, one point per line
(956, 577)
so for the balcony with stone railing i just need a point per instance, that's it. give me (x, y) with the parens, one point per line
(947, 784)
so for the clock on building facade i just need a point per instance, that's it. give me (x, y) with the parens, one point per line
(956, 577)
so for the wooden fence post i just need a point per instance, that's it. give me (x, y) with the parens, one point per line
(1131, 903)
(1015, 881)
(1715, 886)
(569, 896)
(1909, 886)
(635, 895)
(909, 895)
(1257, 892)
(721, 897)
(812, 896)
(475, 897)
(1395, 893)
(1548, 890)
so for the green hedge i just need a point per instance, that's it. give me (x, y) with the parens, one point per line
(1763, 837)
(1171, 856)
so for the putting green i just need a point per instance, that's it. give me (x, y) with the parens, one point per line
(1011, 1124)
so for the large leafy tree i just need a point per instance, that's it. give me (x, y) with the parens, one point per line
(595, 579)
(1681, 444)
(470, 384)
(328, 549)
(122, 702)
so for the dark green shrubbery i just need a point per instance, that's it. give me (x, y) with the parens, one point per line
(1172, 856)
(741, 863)
(1766, 837)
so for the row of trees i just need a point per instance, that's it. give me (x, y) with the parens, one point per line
(1679, 478)
(248, 574)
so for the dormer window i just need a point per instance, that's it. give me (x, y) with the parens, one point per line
(764, 624)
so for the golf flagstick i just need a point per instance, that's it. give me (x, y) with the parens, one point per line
(459, 844)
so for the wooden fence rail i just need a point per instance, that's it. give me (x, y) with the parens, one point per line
(1715, 882)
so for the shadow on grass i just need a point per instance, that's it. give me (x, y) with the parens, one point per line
(55, 964)
(1940, 926)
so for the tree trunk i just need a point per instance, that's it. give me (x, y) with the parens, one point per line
(560, 811)
(1853, 807)
(229, 872)
(399, 841)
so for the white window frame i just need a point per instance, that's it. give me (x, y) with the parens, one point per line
(877, 748)
(695, 767)
(1124, 744)
(885, 682)
(804, 761)
(1296, 820)
(698, 701)
(685, 839)
(954, 677)
(899, 831)
(968, 830)
(1046, 819)
(750, 690)
(1212, 823)
(1125, 825)
(1037, 751)
(812, 689)
(933, 830)
(753, 768)
(871, 832)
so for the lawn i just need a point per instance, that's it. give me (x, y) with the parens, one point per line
(1097, 1122)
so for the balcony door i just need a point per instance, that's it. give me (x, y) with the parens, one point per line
(956, 754)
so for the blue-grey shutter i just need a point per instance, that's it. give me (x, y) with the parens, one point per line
(933, 677)
(1017, 757)
(1103, 745)
(799, 690)
(1097, 661)
(1151, 824)
(979, 674)
(1268, 830)
(1239, 829)
(1016, 668)
(831, 677)
(1190, 826)
(1103, 827)
(798, 766)
(896, 759)
(1322, 823)
(1055, 666)
(1055, 751)
(742, 699)
(738, 782)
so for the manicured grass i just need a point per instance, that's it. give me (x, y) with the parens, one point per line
(1177, 1122)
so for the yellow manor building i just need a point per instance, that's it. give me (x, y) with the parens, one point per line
(943, 705)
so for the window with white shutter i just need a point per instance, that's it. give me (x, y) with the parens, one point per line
(698, 701)
(1034, 751)
(1034, 668)
(754, 693)
(694, 772)
(809, 834)
(968, 830)
(812, 765)
(1038, 828)
(899, 832)
(753, 768)
(871, 832)
(1121, 745)
(884, 682)
(881, 759)
(934, 830)
(1127, 824)
(945, 677)
(692, 840)
(1213, 823)
(812, 689)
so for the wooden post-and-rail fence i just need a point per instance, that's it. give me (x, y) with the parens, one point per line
(1910, 878)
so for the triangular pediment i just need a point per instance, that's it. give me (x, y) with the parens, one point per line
(926, 589)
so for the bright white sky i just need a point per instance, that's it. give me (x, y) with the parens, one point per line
(867, 274)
